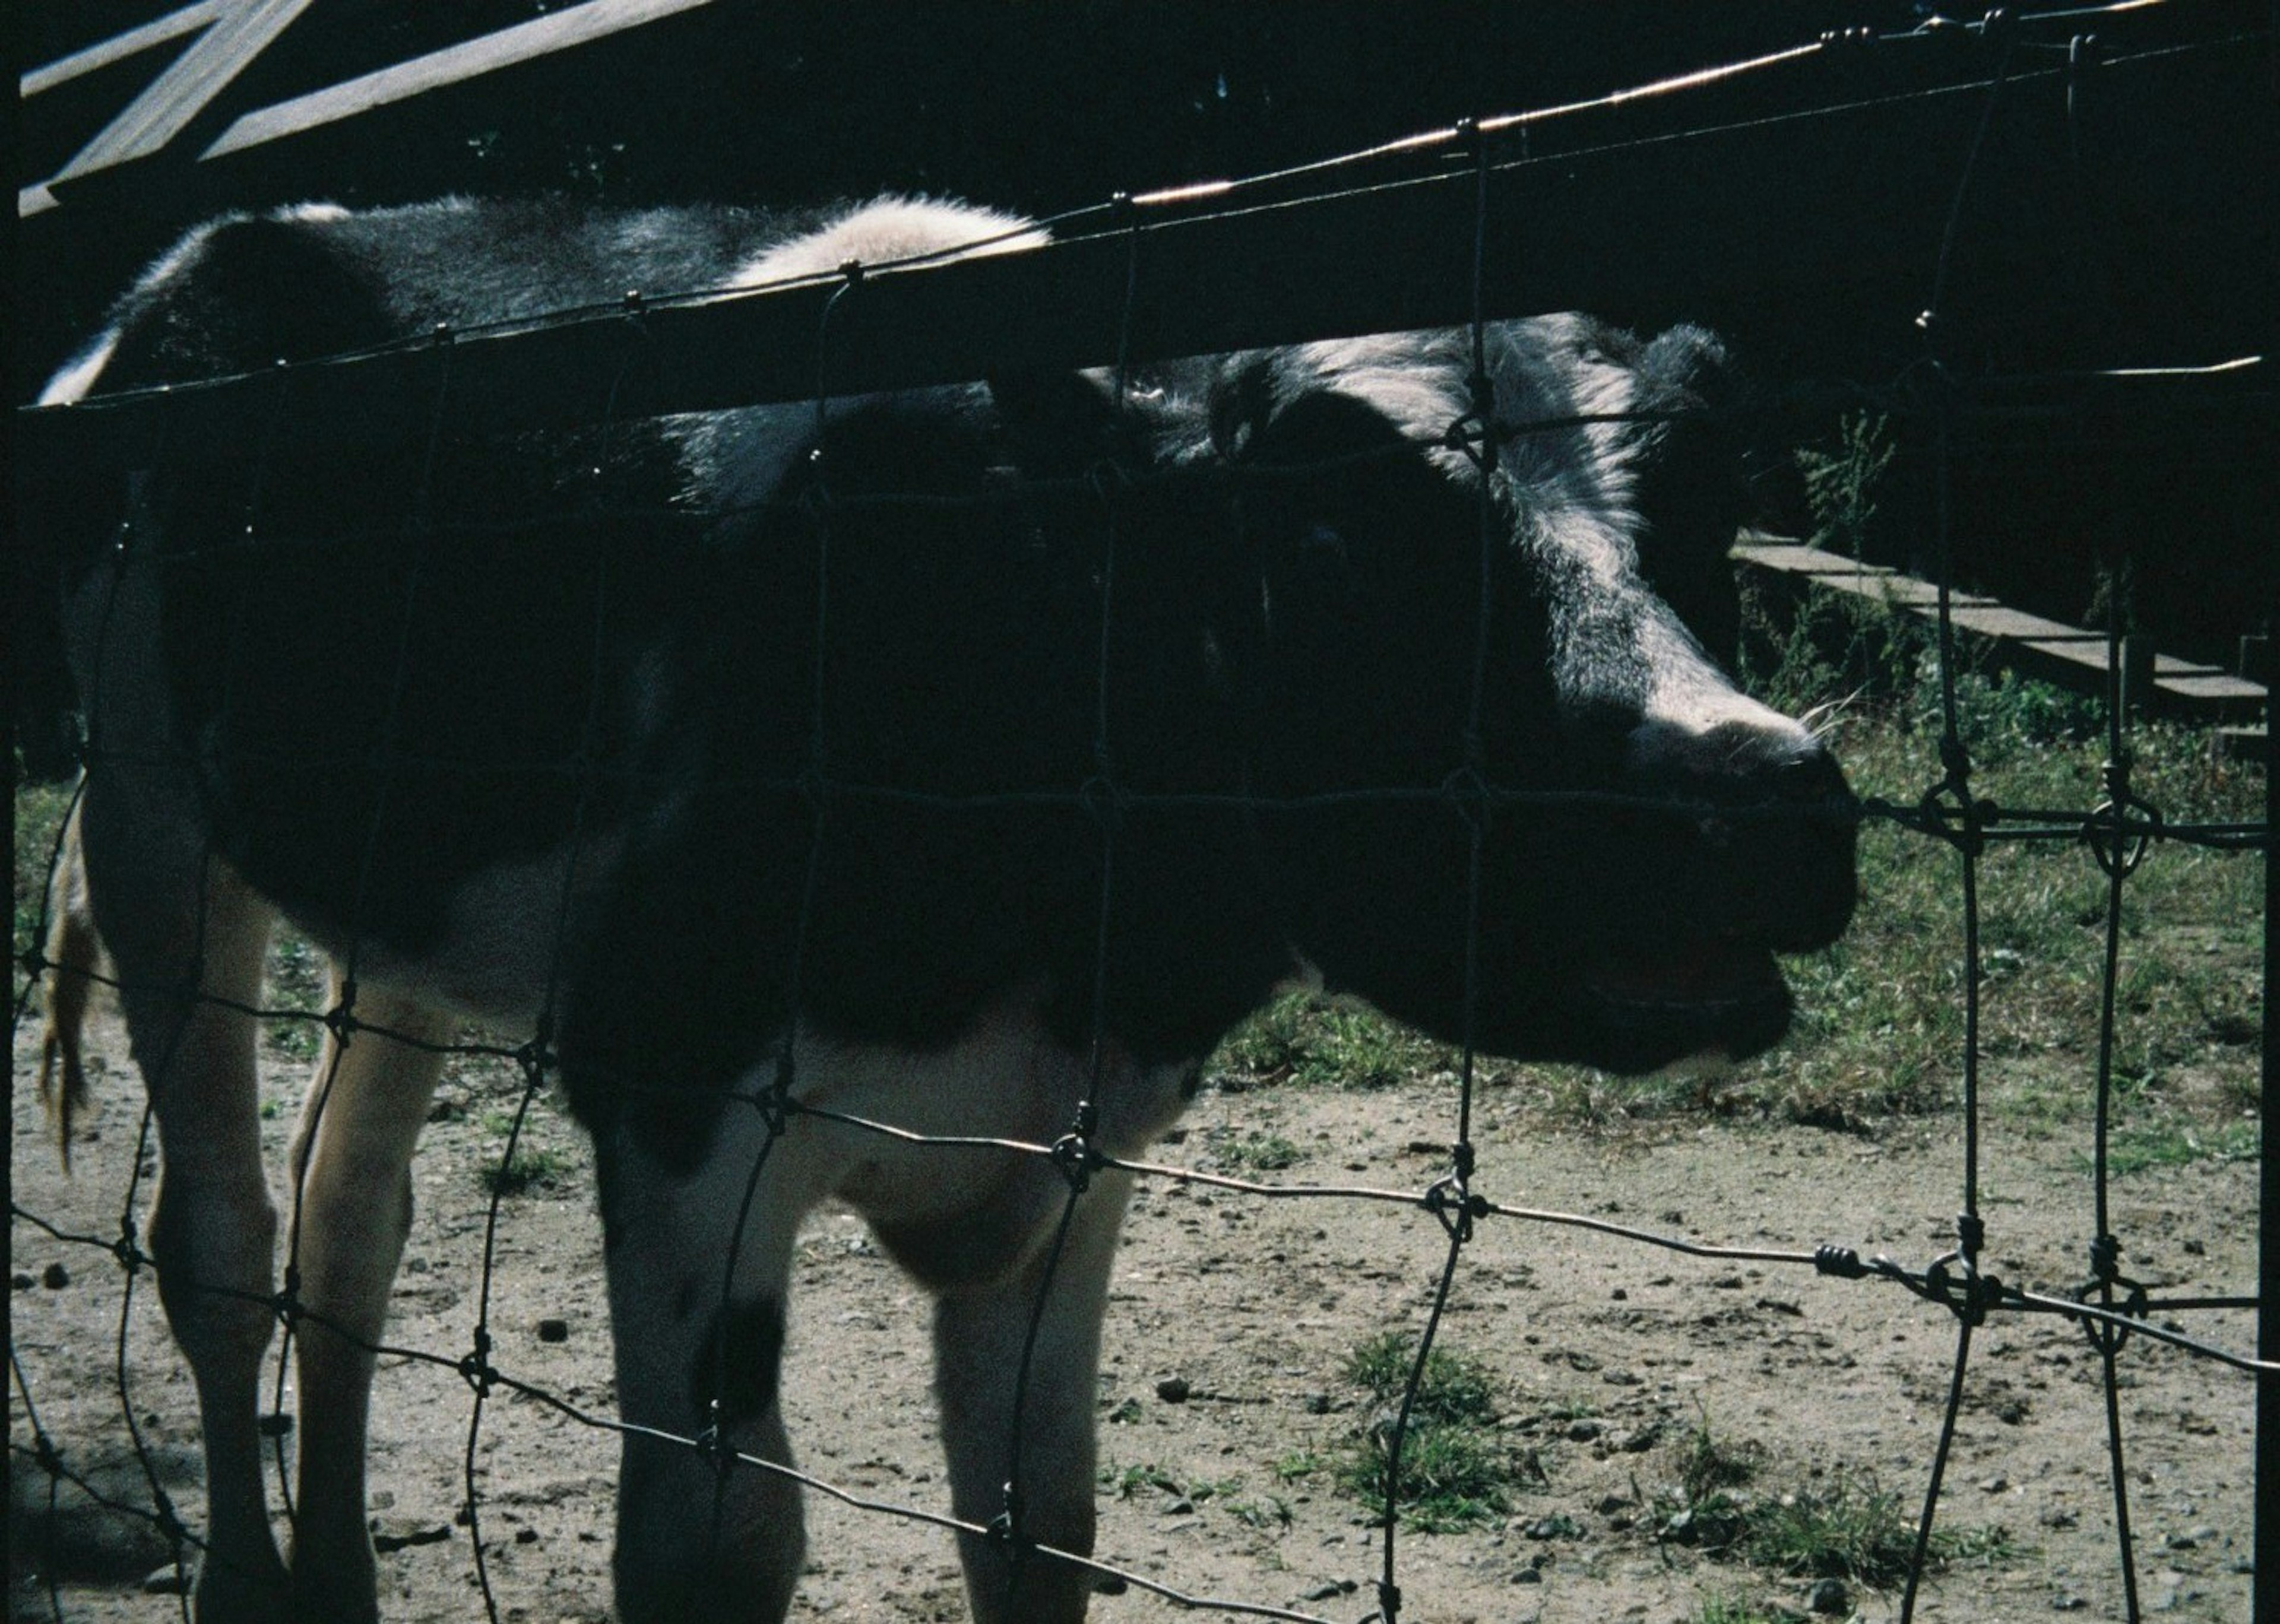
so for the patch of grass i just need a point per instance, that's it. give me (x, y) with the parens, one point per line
(1453, 1478)
(1256, 1152)
(1298, 1464)
(1733, 1608)
(1271, 1512)
(1709, 1465)
(1126, 1482)
(1456, 1471)
(1844, 1525)
(1316, 1042)
(2135, 1147)
(1452, 1389)
(296, 980)
(530, 1167)
(1848, 1528)
(40, 813)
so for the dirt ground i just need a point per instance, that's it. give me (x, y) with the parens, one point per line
(1605, 1354)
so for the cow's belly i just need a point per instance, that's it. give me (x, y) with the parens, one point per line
(960, 1215)
(506, 948)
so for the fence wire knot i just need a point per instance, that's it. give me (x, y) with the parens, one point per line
(1468, 791)
(131, 1256)
(1005, 1529)
(2124, 826)
(285, 1302)
(475, 1368)
(168, 1522)
(711, 1448)
(1102, 798)
(775, 1103)
(1950, 811)
(2105, 1280)
(1389, 1604)
(1453, 1203)
(1074, 1154)
(1955, 1282)
(1842, 1262)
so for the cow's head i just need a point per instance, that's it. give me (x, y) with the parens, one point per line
(1665, 835)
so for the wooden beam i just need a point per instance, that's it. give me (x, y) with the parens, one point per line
(118, 48)
(581, 24)
(1833, 207)
(189, 84)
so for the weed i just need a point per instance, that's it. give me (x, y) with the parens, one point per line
(539, 1166)
(1733, 1608)
(1848, 1528)
(2173, 1143)
(1452, 1477)
(1129, 1480)
(1321, 1043)
(1126, 1482)
(1456, 1471)
(1257, 1153)
(40, 810)
(1709, 1465)
(1271, 1512)
(1453, 1388)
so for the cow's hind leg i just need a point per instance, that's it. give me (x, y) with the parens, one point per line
(187, 938)
(979, 1332)
(74, 956)
(351, 1165)
(700, 1536)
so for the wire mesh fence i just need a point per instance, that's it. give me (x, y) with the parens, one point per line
(808, 795)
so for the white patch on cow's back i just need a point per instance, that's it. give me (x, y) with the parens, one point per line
(76, 381)
(891, 228)
(77, 378)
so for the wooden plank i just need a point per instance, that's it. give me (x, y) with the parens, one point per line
(2214, 689)
(2086, 656)
(187, 86)
(1797, 559)
(2016, 625)
(581, 24)
(1899, 591)
(118, 48)
(1590, 228)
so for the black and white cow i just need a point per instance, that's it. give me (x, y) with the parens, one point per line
(535, 726)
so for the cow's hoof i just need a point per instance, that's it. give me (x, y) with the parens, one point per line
(243, 1592)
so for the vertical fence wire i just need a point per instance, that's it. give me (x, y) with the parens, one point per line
(1075, 1155)
(1967, 1298)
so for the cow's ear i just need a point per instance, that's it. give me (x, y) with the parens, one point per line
(1689, 484)
(1059, 421)
(1241, 404)
(1691, 362)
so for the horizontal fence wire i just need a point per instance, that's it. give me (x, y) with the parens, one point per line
(2117, 833)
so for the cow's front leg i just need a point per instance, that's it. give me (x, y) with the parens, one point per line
(979, 1335)
(700, 1536)
(351, 1165)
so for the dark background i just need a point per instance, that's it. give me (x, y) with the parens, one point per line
(2156, 245)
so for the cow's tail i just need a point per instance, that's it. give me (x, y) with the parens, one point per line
(74, 958)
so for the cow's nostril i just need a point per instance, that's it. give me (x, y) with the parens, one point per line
(1810, 774)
